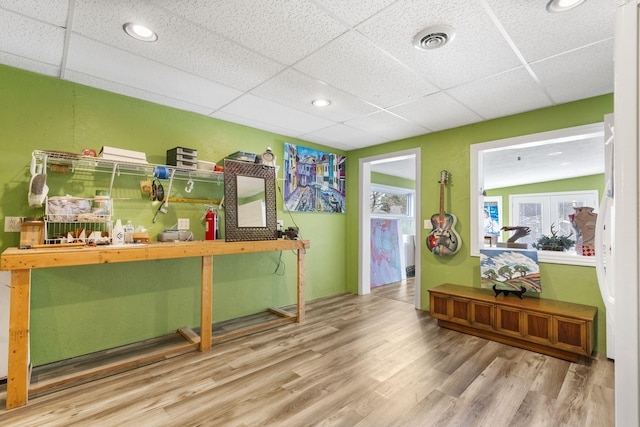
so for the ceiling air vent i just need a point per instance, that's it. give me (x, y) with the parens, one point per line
(434, 37)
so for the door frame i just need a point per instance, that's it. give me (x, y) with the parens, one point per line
(364, 219)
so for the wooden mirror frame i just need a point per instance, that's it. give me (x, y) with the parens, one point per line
(232, 232)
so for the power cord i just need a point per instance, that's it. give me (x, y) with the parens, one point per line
(282, 264)
(284, 208)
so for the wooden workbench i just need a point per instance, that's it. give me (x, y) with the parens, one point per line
(21, 261)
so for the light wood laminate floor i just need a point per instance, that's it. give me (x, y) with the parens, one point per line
(403, 291)
(355, 361)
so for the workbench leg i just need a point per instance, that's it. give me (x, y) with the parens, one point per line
(206, 303)
(301, 253)
(18, 358)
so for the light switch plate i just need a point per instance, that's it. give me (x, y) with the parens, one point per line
(427, 224)
(12, 224)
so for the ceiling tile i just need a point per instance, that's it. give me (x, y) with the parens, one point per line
(275, 56)
(437, 112)
(354, 12)
(255, 123)
(133, 92)
(494, 96)
(52, 11)
(329, 143)
(180, 44)
(27, 38)
(540, 34)
(29, 65)
(354, 64)
(297, 90)
(107, 63)
(478, 49)
(347, 137)
(264, 111)
(295, 27)
(581, 73)
(387, 125)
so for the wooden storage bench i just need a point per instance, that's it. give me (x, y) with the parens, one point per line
(556, 328)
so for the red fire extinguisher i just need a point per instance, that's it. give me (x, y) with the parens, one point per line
(210, 220)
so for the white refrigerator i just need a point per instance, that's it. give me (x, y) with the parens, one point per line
(605, 244)
(624, 261)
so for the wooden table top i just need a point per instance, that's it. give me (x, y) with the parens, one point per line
(22, 259)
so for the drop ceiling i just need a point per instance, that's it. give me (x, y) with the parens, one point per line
(260, 63)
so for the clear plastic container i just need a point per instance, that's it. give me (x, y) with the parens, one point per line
(129, 229)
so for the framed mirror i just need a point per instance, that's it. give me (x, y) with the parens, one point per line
(250, 201)
(512, 174)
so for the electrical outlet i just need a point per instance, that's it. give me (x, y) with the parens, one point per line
(183, 223)
(279, 224)
(427, 224)
(12, 224)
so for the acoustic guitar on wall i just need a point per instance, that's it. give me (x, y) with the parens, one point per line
(443, 239)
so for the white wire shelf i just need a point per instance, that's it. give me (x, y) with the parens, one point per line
(78, 162)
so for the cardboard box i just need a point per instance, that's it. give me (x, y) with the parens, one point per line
(112, 153)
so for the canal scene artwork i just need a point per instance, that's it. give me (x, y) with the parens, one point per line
(314, 180)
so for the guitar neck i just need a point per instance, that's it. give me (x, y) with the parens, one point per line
(441, 204)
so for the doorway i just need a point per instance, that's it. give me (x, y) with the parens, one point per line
(391, 161)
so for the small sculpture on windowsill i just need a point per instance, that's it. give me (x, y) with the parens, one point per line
(519, 233)
(554, 242)
(584, 223)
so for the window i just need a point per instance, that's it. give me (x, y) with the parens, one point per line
(547, 154)
(541, 212)
(387, 201)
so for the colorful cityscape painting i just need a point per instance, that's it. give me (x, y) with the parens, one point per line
(510, 269)
(314, 181)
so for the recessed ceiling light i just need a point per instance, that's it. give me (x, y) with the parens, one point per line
(555, 153)
(140, 32)
(321, 102)
(434, 37)
(562, 5)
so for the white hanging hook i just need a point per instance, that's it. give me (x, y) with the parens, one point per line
(33, 164)
(190, 184)
(114, 171)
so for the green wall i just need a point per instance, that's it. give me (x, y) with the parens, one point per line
(450, 150)
(83, 309)
(79, 310)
